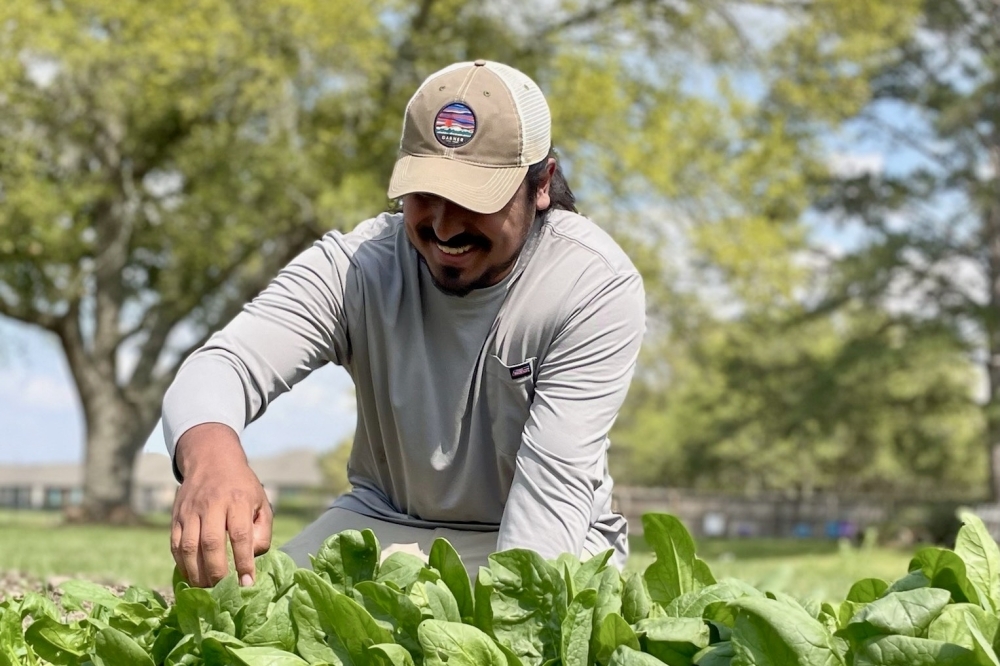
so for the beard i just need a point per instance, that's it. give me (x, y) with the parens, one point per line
(451, 280)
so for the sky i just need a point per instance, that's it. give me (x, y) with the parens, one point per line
(41, 420)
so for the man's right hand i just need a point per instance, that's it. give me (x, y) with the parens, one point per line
(220, 495)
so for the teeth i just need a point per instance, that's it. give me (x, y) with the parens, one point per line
(454, 250)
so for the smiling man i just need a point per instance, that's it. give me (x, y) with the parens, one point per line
(491, 333)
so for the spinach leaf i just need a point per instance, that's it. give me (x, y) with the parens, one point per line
(348, 558)
(457, 644)
(676, 570)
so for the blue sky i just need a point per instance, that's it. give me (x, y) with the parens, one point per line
(41, 419)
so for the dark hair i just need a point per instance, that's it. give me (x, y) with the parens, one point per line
(561, 197)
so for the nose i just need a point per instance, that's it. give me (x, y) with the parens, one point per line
(448, 220)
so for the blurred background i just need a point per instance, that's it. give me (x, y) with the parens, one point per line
(811, 189)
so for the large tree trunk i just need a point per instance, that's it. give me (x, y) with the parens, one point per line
(114, 439)
(118, 422)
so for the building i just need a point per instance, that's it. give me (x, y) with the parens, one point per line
(58, 485)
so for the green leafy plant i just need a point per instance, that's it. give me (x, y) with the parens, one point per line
(355, 609)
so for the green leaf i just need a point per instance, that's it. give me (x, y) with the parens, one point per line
(577, 627)
(674, 640)
(228, 595)
(583, 576)
(37, 606)
(216, 647)
(276, 630)
(77, 591)
(527, 602)
(611, 633)
(911, 581)
(456, 644)
(348, 558)
(341, 616)
(57, 642)
(390, 654)
(276, 565)
(311, 640)
(951, 625)
(626, 656)
(112, 647)
(608, 584)
(720, 654)
(635, 599)
(771, 633)
(979, 551)
(676, 570)
(910, 651)
(393, 610)
(981, 647)
(946, 570)
(403, 570)
(867, 590)
(441, 601)
(904, 613)
(446, 560)
(694, 604)
(198, 611)
(266, 656)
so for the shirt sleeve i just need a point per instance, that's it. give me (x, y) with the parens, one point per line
(294, 326)
(581, 384)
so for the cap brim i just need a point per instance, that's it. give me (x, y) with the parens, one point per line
(478, 188)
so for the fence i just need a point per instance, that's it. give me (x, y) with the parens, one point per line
(778, 515)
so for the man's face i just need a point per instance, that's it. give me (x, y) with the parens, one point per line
(465, 250)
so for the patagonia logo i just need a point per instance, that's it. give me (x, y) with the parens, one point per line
(519, 371)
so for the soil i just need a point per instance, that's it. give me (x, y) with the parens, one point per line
(14, 584)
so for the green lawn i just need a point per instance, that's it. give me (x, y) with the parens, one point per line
(38, 544)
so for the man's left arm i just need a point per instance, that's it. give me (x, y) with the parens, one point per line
(581, 384)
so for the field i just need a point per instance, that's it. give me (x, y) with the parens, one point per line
(36, 544)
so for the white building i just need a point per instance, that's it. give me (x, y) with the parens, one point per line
(57, 485)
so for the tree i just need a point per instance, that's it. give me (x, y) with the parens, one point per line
(931, 219)
(160, 161)
(860, 402)
(333, 464)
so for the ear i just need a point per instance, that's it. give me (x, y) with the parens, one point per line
(542, 198)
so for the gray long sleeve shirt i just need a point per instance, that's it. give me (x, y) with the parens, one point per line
(484, 412)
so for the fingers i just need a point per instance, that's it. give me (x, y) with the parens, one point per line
(185, 546)
(262, 522)
(239, 523)
(214, 558)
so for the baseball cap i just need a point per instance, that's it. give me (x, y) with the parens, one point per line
(470, 132)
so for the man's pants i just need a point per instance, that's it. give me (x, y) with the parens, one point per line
(473, 547)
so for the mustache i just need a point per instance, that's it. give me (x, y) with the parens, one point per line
(461, 240)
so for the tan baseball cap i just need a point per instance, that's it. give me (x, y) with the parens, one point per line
(469, 135)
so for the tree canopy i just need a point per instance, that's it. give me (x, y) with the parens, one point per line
(160, 161)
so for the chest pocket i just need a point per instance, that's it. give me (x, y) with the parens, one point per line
(509, 392)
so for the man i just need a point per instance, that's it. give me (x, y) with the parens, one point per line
(491, 333)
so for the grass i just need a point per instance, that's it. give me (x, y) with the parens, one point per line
(37, 543)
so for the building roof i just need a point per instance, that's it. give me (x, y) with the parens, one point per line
(293, 468)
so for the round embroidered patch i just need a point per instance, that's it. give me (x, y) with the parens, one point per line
(454, 125)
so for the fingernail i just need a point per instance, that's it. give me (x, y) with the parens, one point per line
(246, 580)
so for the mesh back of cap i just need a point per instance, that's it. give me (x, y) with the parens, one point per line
(536, 122)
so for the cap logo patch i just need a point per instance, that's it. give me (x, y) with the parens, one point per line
(454, 125)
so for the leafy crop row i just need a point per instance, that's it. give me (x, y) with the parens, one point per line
(350, 610)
